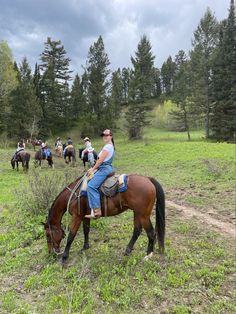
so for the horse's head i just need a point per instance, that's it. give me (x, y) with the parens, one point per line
(54, 235)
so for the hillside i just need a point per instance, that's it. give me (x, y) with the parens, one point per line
(197, 272)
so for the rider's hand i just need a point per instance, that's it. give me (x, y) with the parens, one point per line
(89, 172)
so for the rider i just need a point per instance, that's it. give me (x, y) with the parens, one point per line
(45, 150)
(69, 144)
(20, 147)
(99, 172)
(88, 149)
(58, 143)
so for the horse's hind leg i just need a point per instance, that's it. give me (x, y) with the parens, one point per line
(147, 225)
(74, 226)
(136, 233)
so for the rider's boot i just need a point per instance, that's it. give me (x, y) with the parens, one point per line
(95, 213)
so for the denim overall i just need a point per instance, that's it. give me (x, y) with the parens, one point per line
(99, 177)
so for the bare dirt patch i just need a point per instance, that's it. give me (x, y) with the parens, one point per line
(226, 228)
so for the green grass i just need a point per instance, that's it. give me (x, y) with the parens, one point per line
(196, 275)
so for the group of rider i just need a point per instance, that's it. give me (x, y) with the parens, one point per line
(96, 174)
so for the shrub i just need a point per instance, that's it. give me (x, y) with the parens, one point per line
(41, 189)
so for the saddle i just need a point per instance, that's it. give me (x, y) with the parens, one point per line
(110, 186)
(113, 184)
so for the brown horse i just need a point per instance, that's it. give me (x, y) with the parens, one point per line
(35, 142)
(23, 157)
(39, 156)
(70, 155)
(59, 150)
(141, 195)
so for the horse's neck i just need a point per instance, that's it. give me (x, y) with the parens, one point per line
(59, 206)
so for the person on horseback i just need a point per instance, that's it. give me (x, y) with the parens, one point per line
(69, 144)
(89, 150)
(99, 172)
(58, 143)
(45, 150)
(20, 147)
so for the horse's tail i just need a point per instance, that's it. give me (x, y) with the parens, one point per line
(160, 214)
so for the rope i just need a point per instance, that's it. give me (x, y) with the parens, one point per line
(73, 191)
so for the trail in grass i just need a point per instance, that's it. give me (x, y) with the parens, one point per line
(225, 228)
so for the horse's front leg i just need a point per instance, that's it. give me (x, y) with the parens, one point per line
(86, 229)
(74, 226)
(136, 233)
(17, 166)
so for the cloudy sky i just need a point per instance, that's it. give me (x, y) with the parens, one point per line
(169, 25)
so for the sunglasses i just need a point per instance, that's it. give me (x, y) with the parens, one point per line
(106, 134)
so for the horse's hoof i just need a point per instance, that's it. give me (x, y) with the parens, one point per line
(127, 252)
(147, 257)
(63, 260)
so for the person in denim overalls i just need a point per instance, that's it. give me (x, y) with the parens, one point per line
(103, 167)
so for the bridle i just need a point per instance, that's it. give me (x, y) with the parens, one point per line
(73, 192)
(53, 242)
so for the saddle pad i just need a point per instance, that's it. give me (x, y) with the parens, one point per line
(122, 184)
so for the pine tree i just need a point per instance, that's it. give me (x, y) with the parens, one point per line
(25, 109)
(98, 84)
(54, 86)
(167, 75)
(182, 92)
(125, 76)
(224, 80)
(157, 83)
(77, 98)
(116, 94)
(204, 43)
(8, 82)
(141, 88)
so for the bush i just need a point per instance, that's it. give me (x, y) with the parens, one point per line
(40, 190)
(162, 118)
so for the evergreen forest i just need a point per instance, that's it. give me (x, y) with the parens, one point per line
(199, 85)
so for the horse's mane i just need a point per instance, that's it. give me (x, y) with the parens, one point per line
(53, 203)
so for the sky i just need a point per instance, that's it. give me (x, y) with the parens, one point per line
(168, 24)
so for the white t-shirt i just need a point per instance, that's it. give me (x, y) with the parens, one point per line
(110, 149)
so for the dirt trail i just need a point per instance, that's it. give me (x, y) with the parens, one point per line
(226, 228)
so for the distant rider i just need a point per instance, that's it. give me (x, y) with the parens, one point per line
(20, 147)
(89, 150)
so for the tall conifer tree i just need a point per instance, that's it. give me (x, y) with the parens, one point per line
(141, 88)
(224, 80)
(54, 85)
(98, 84)
(25, 109)
(204, 43)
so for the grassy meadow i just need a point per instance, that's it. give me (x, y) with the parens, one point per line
(197, 272)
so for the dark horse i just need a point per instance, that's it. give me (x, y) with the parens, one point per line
(39, 156)
(70, 155)
(85, 158)
(21, 156)
(141, 195)
(34, 142)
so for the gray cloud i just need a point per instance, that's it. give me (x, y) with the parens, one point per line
(169, 24)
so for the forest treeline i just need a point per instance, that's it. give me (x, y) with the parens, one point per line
(201, 83)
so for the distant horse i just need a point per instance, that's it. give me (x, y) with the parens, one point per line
(39, 156)
(70, 155)
(85, 158)
(35, 142)
(141, 195)
(24, 158)
(59, 150)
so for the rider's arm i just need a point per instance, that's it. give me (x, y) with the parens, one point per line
(101, 159)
